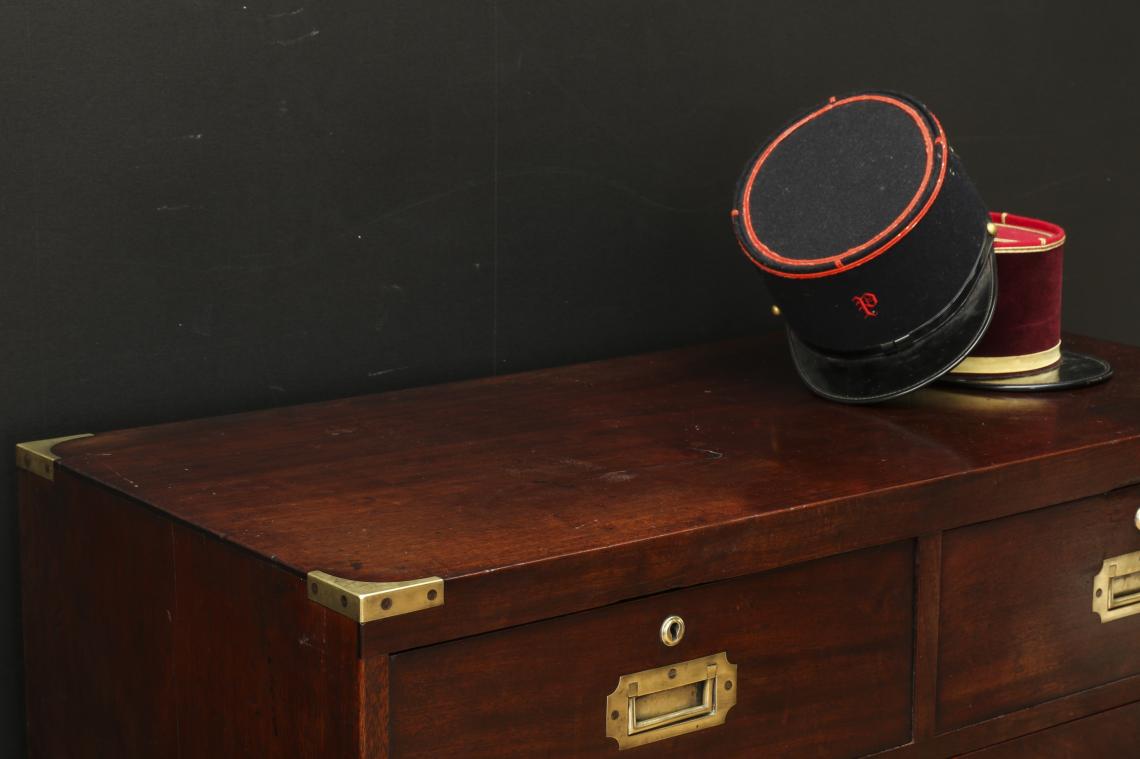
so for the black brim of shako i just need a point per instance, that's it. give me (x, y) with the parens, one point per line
(916, 363)
(1072, 371)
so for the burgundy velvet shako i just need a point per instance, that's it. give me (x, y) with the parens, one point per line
(873, 243)
(1022, 350)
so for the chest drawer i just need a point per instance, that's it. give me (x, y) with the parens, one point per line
(821, 651)
(1109, 734)
(1017, 620)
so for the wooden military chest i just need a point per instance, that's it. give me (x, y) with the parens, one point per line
(679, 554)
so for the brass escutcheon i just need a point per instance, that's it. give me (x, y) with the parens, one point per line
(672, 630)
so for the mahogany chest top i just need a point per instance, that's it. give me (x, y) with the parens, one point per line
(613, 479)
(463, 525)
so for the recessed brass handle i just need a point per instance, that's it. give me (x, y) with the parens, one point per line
(672, 630)
(671, 700)
(1136, 519)
(1116, 588)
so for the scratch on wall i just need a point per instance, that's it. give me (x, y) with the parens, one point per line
(295, 40)
(381, 372)
(286, 13)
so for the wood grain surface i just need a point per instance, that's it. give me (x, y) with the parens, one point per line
(145, 638)
(260, 670)
(98, 601)
(944, 547)
(823, 655)
(1115, 733)
(1017, 626)
(638, 474)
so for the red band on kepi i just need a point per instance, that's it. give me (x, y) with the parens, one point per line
(882, 240)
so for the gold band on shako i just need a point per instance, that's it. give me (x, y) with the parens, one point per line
(1009, 364)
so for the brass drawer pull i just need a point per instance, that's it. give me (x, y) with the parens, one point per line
(1116, 588)
(671, 700)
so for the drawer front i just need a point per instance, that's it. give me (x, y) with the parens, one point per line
(822, 657)
(1112, 734)
(1017, 626)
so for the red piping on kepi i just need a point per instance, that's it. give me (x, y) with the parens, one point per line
(837, 259)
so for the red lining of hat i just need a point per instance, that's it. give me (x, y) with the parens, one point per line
(837, 259)
(1024, 232)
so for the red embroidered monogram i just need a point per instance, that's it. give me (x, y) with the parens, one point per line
(866, 303)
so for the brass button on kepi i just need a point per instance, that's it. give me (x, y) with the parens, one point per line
(673, 629)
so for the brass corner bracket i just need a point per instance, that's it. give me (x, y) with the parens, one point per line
(368, 601)
(36, 457)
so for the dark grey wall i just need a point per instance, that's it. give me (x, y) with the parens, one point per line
(214, 205)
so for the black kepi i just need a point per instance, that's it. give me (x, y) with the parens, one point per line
(874, 245)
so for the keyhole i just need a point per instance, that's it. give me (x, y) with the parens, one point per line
(672, 630)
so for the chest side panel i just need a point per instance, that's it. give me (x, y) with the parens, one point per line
(261, 670)
(145, 638)
(98, 602)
